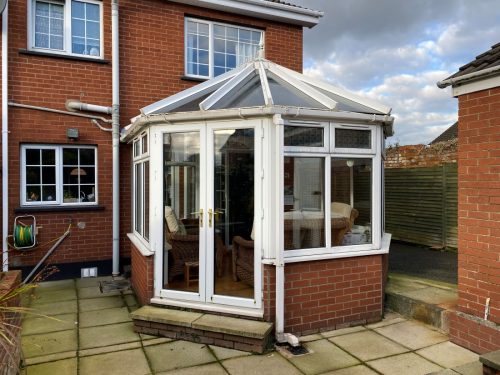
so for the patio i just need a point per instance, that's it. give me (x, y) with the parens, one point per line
(94, 335)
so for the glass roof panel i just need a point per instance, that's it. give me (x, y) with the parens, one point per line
(292, 98)
(344, 104)
(247, 95)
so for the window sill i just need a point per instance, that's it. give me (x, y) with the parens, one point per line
(29, 209)
(143, 249)
(194, 79)
(63, 56)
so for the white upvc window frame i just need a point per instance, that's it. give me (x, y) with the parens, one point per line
(359, 127)
(374, 154)
(59, 201)
(141, 156)
(310, 124)
(67, 36)
(211, 51)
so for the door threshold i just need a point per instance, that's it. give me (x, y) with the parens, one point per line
(209, 307)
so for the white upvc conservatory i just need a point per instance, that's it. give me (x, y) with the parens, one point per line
(259, 167)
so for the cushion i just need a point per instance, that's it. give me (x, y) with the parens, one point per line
(174, 225)
(341, 208)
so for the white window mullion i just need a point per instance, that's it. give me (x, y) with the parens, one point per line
(67, 26)
(328, 200)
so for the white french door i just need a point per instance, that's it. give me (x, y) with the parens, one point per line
(210, 199)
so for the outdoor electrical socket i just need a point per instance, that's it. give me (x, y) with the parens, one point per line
(89, 272)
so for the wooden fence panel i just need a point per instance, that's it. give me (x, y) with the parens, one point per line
(421, 205)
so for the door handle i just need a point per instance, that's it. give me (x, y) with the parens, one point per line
(200, 216)
(210, 214)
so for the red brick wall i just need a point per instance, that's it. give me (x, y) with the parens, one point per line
(152, 64)
(142, 275)
(412, 156)
(328, 294)
(478, 217)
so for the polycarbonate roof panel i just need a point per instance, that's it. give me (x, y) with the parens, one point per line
(260, 83)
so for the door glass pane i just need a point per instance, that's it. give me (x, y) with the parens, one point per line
(304, 216)
(181, 197)
(351, 206)
(234, 213)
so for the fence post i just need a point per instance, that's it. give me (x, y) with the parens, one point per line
(443, 205)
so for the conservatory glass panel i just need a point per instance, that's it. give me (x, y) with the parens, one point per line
(351, 201)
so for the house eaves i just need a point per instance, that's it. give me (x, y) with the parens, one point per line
(266, 9)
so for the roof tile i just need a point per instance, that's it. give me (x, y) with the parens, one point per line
(485, 60)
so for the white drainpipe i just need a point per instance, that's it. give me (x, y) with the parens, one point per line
(116, 136)
(5, 139)
(114, 110)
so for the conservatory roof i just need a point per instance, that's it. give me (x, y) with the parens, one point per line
(262, 83)
(261, 87)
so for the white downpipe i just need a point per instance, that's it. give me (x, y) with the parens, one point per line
(116, 136)
(5, 138)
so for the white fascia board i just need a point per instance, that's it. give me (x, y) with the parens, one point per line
(340, 92)
(474, 86)
(262, 9)
(233, 113)
(238, 80)
(190, 94)
(296, 84)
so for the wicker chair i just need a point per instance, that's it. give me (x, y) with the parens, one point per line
(185, 247)
(243, 260)
(341, 226)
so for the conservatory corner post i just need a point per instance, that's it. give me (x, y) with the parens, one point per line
(116, 137)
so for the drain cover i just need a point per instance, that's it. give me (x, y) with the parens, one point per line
(297, 350)
(114, 286)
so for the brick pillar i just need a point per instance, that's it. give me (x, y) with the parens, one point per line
(478, 222)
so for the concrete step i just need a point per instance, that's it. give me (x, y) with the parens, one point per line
(234, 333)
(428, 301)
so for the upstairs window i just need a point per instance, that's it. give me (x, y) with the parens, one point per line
(213, 48)
(67, 26)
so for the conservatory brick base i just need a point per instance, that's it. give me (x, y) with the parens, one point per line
(142, 275)
(327, 294)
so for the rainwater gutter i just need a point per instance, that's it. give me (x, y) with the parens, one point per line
(5, 138)
(152, 119)
(114, 110)
(468, 77)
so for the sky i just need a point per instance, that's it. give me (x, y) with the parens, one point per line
(395, 51)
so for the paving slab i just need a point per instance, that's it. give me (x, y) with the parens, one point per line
(309, 338)
(407, 364)
(93, 304)
(109, 349)
(49, 343)
(233, 326)
(123, 362)
(342, 331)
(413, 335)
(178, 354)
(210, 369)
(368, 345)
(167, 316)
(49, 296)
(259, 365)
(491, 359)
(91, 281)
(433, 295)
(104, 317)
(113, 334)
(402, 285)
(225, 353)
(472, 368)
(65, 366)
(448, 355)
(95, 292)
(355, 370)
(389, 318)
(130, 300)
(55, 285)
(156, 341)
(55, 308)
(44, 324)
(324, 356)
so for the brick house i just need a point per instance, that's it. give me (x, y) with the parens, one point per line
(477, 87)
(60, 162)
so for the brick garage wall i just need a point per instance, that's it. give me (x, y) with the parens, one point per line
(142, 275)
(9, 361)
(152, 66)
(328, 294)
(478, 221)
(412, 156)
